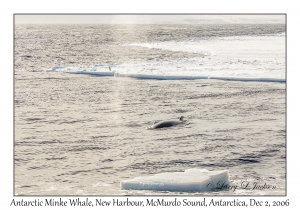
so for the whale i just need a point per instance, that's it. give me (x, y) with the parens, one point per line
(168, 123)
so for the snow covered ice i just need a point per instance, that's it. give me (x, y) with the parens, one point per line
(191, 180)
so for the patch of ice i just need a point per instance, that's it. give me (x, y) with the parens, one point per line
(191, 180)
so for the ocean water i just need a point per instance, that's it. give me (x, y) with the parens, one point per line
(81, 129)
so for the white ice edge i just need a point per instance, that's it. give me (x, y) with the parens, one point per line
(191, 180)
(181, 77)
(172, 77)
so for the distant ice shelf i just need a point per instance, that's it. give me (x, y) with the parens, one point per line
(191, 180)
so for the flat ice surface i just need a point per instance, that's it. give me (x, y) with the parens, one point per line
(191, 180)
(238, 58)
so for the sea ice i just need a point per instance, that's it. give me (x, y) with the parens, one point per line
(97, 69)
(239, 58)
(191, 180)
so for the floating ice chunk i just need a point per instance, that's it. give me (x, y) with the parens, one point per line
(54, 68)
(99, 70)
(98, 73)
(191, 180)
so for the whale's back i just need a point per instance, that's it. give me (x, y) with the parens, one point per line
(163, 124)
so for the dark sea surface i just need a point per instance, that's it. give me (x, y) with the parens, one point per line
(81, 135)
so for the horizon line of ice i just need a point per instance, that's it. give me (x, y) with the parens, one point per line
(167, 77)
(196, 77)
(161, 77)
(191, 180)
